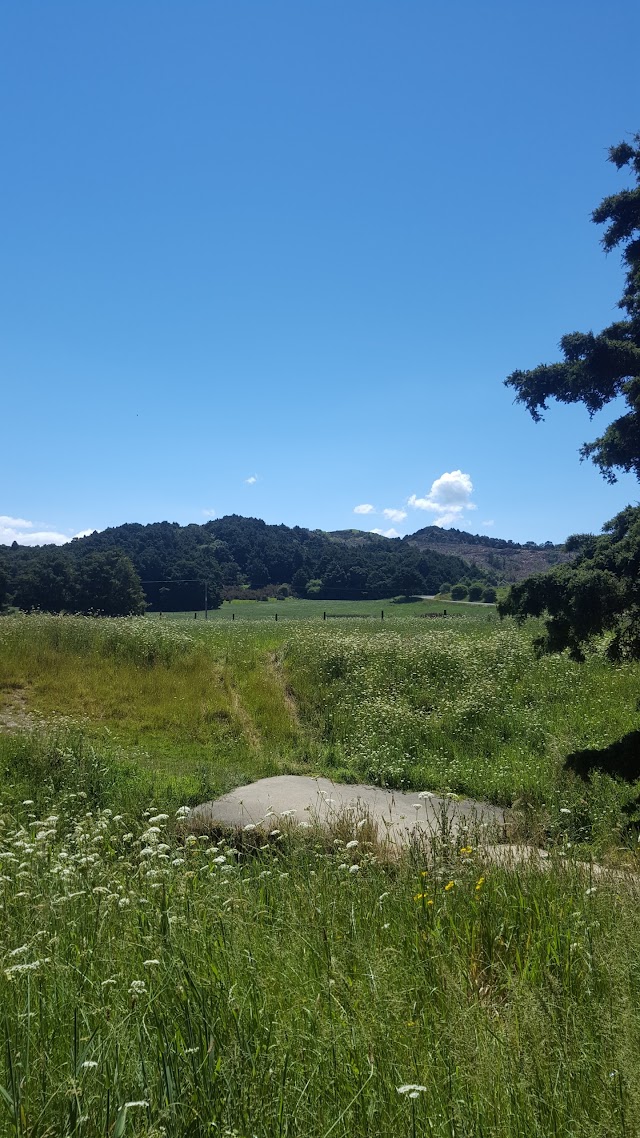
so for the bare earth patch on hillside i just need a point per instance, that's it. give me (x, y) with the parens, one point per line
(14, 714)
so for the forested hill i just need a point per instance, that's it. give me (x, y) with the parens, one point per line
(234, 551)
(513, 562)
(174, 561)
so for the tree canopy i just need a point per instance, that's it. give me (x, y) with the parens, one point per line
(598, 594)
(54, 580)
(173, 563)
(600, 367)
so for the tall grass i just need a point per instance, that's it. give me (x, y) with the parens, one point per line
(153, 984)
(469, 710)
(161, 983)
(466, 709)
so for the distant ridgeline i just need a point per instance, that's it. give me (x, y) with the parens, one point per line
(165, 566)
(511, 561)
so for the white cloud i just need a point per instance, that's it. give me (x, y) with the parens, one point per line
(209, 513)
(490, 522)
(86, 532)
(365, 508)
(448, 498)
(251, 479)
(385, 532)
(22, 531)
(395, 515)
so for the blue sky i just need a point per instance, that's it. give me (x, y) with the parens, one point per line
(276, 258)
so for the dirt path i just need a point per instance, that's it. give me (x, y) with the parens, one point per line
(14, 715)
(277, 672)
(241, 716)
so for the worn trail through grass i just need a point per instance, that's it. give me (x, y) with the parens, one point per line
(413, 704)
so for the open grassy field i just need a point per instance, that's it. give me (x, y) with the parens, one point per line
(292, 608)
(156, 983)
(461, 706)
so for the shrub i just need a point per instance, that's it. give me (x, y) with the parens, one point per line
(459, 593)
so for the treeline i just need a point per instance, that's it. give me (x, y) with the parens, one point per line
(171, 564)
(438, 535)
(60, 580)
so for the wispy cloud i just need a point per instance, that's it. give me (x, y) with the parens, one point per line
(385, 532)
(365, 508)
(395, 515)
(27, 533)
(448, 498)
(209, 513)
(488, 523)
(251, 479)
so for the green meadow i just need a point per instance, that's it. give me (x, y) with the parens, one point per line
(456, 705)
(293, 608)
(156, 981)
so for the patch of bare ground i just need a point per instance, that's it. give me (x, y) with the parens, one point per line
(14, 714)
(241, 715)
(277, 671)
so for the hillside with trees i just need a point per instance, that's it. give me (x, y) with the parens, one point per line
(168, 566)
(510, 560)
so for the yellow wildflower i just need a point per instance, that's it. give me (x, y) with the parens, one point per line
(479, 884)
(449, 886)
(466, 850)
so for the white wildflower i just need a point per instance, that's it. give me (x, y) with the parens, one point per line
(411, 1089)
(159, 818)
(17, 969)
(151, 963)
(137, 988)
(89, 1065)
(354, 869)
(351, 845)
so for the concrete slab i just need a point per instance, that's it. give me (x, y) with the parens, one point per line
(303, 801)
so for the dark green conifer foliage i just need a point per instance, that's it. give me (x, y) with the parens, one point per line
(599, 593)
(600, 367)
